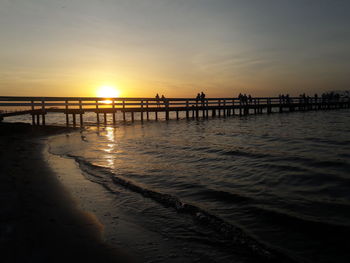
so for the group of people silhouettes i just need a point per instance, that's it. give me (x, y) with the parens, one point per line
(331, 96)
(284, 99)
(200, 96)
(244, 99)
(303, 98)
(163, 99)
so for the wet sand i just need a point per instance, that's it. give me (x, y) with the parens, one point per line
(40, 221)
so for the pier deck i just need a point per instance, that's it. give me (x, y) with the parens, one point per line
(39, 107)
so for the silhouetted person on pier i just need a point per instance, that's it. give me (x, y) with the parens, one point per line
(198, 97)
(250, 99)
(202, 96)
(245, 99)
(240, 96)
(165, 101)
(157, 100)
(287, 99)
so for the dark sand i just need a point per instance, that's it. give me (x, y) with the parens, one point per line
(40, 222)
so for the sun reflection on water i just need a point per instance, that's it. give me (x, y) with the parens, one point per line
(110, 147)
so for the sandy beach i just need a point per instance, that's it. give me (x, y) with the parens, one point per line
(52, 213)
(40, 221)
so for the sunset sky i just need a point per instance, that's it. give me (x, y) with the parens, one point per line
(173, 47)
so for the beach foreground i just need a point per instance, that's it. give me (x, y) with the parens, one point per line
(40, 220)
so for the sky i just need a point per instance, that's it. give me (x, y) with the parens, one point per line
(174, 47)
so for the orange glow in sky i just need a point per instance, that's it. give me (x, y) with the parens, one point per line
(176, 48)
(108, 92)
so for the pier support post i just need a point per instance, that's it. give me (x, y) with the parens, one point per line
(81, 113)
(141, 110)
(98, 118)
(167, 115)
(246, 110)
(147, 112)
(132, 116)
(207, 109)
(105, 118)
(233, 107)
(43, 112)
(224, 109)
(187, 113)
(67, 117)
(124, 118)
(97, 114)
(43, 119)
(81, 120)
(255, 106)
(113, 114)
(74, 120)
(33, 116)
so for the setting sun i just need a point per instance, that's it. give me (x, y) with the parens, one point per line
(108, 92)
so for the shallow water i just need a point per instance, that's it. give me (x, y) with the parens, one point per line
(283, 179)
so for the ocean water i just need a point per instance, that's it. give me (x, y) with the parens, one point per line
(271, 187)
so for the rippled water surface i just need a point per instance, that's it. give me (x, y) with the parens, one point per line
(284, 179)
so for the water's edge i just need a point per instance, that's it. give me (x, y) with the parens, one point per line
(233, 234)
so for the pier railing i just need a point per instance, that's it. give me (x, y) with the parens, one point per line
(72, 106)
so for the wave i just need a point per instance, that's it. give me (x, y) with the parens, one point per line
(222, 196)
(307, 223)
(327, 141)
(246, 154)
(232, 233)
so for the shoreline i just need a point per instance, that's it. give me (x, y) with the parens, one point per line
(41, 222)
(89, 190)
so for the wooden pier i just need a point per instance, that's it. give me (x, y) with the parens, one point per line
(150, 108)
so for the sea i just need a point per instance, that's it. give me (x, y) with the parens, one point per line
(256, 188)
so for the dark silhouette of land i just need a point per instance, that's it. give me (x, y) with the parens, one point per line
(40, 222)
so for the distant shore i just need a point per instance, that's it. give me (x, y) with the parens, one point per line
(40, 221)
